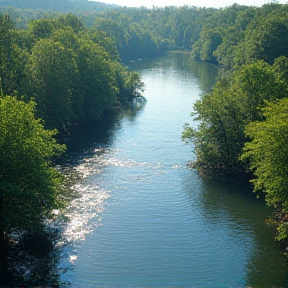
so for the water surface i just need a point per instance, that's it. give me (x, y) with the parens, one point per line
(144, 219)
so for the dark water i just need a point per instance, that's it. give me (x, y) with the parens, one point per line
(144, 219)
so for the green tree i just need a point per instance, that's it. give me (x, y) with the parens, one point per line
(115, 31)
(9, 64)
(131, 87)
(256, 83)
(101, 38)
(42, 28)
(212, 39)
(281, 66)
(51, 71)
(208, 43)
(224, 113)
(72, 21)
(267, 42)
(219, 136)
(267, 154)
(97, 80)
(225, 51)
(29, 186)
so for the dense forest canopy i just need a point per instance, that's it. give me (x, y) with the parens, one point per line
(56, 5)
(59, 70)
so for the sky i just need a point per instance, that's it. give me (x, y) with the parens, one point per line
(197, 3)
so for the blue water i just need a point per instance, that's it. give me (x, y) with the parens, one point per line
(144, 219)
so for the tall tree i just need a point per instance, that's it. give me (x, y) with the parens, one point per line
(224, 113)
(29, 186)
(51, 71)
(97, 81)
(267, 154)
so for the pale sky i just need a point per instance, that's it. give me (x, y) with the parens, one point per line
(197, 3)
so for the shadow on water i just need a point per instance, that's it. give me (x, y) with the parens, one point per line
(87, 135)
(102, 131)
(229, 206)
(31, 260)
(207, 74)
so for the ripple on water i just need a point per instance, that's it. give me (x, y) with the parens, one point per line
(90, 201)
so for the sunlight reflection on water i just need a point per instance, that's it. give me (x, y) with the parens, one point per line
(91, 198)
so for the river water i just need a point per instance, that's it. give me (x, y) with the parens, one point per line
(143, 219)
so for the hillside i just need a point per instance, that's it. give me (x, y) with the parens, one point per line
(57, 5)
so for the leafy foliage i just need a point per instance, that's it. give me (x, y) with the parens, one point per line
(50, 72)
(63, 6)
(29, 186)
(73, 73)
(225, 112)
(267, 153)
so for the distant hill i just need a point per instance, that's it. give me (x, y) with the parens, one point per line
(57, 5)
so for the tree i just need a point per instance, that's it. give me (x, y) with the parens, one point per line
(267, 154)
(219, 137)
(103, 40)
(52, 71)
(29, 186)
(8, 54)
(224, 113)
(72, 21)
(212, 39)
(131, 86)
(266, 41)
(225, 51)
(281, 66)
(97, 81)
(115, 31)
(256, 83)
(43, 28)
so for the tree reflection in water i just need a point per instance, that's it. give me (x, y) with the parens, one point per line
(32, 259)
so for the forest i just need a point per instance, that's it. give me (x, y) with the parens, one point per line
(61, 67)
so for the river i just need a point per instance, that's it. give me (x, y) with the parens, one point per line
(143, 218)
